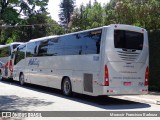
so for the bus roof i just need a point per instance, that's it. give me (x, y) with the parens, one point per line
(42, 38)
(2, 46)
(126, 26)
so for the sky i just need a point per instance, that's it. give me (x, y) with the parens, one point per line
(53, 6)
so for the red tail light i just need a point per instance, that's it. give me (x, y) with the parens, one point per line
(106, 76)
(146, 77)
(10, 66)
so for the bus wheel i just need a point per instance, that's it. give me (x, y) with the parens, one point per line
(67, 87)
(21, 79)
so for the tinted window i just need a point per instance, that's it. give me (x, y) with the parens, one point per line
(83, 43)
(128, 39)
(51, 47)
(32, 49)
(93, 40)
(42, 48)
(73, 44)
(4, 52)
(15, 45)
(20, 53)
(56, 46)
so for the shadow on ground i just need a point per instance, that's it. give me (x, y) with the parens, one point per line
(104, 102)
(16, 103)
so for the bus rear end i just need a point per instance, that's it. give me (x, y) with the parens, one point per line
(125, 67)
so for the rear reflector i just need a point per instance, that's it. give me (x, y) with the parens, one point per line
(106, 76)
(127, 83)
(146, 77)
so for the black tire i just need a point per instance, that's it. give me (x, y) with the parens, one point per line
(21, 79)
(67, 87)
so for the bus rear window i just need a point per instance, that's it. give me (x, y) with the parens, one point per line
(128, 39)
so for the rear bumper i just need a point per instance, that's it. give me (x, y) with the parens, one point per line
(125, 90)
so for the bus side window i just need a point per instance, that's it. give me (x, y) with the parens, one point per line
(16, 56)
(93, 41)
(19, 54)
(42, 49)
(32, 49)
(56, 47)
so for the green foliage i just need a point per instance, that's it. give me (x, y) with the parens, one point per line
(88, 17)
(53, 28)
(35, 22)
(10, 16)
(42, 25)
(143, 13)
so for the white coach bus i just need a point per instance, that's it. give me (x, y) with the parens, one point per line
(109, 60)
(7, 59)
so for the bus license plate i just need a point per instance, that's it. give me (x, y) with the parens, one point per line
(127, 83)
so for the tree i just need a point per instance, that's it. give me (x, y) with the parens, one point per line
(67, 8)
(11, 10)
(89, 16)
(37, 26)
(40, 25)
(149, 14)
(20, 21)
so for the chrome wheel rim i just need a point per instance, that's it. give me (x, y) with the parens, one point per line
(67, 87)
(22, 79)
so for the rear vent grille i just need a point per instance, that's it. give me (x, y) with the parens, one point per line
(128, 56)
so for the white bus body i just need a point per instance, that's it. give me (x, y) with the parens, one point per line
(7, 59)
(110, 60)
